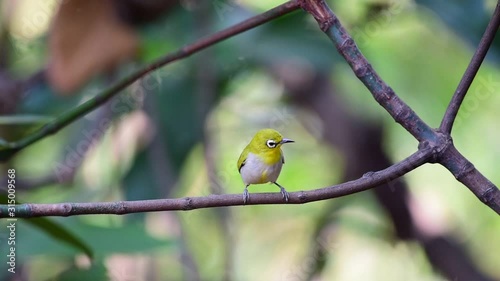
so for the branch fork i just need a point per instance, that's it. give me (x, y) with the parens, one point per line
(438, 140)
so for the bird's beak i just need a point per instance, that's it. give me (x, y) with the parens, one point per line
(286, 141)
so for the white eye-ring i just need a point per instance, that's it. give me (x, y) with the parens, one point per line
(271, 143)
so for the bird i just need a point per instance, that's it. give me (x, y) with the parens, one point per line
(261, 161)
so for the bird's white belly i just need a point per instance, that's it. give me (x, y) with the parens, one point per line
(255, 171)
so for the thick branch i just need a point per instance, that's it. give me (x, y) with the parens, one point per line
(9, 149)
(369, 180)
(470, 72)
(465, 172)
(382, 93)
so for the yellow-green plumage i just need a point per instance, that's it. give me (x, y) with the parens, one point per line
(262, 159)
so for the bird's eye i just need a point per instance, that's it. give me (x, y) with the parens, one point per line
(271, 144)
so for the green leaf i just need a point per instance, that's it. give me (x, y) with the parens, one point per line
(24, 119)
(129, 238)
(96, 272)
(54, 230)
(59, 232)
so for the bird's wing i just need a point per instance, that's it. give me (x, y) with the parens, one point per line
(242, 159)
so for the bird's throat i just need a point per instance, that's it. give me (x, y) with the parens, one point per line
(270, 157)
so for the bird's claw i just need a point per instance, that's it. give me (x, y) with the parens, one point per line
(284, 193)
(246, 196)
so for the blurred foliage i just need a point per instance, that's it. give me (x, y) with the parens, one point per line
(55, 230)
(468, 19)
(152, 141)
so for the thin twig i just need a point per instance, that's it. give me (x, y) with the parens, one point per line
(470, 72)
(9, 149)
(367, 181)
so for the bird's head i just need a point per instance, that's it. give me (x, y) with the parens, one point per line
(268, 139)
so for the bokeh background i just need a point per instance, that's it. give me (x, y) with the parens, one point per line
(179, 131)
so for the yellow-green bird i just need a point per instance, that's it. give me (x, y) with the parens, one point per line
(262, 159)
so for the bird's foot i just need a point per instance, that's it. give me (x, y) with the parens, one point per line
(283, 191)
(246, 196)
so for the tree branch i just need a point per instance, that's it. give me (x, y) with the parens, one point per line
(465, 172)
(7, 150)
(441, 143)
(470, 72)
(367, 181)
(383, 94)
